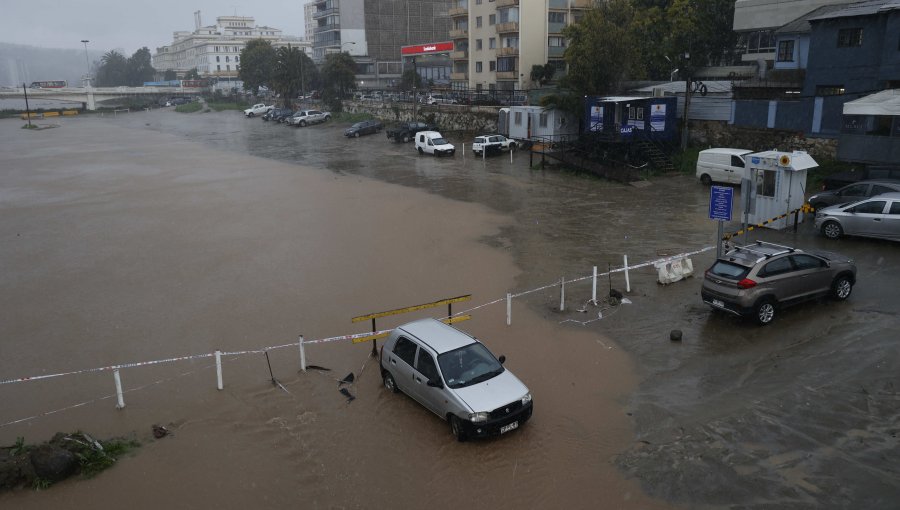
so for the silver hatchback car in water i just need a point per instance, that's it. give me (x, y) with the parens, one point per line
(758, 279)
(878, 216)
(456, 377)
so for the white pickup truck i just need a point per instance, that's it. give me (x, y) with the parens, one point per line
(492, 144)
(257, 109)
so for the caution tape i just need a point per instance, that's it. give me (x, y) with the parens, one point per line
(806, 208)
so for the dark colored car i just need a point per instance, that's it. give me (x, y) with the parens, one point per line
(867, 173)
(270, 115)
(366, 127)
(853, 193)
(283, 115)
(757, 280)
(406, 131)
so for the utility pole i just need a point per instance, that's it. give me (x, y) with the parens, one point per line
(687, 98)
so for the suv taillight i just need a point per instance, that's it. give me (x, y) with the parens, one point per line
(746, 283)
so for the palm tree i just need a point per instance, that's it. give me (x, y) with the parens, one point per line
(288, 75)
(113, 69)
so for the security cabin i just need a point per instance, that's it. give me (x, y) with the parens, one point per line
(626, 117)
(775, 182)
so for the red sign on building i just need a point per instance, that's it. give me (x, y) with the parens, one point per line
(424, 49)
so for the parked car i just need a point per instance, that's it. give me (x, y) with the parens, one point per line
(406, 131)
(866, 173)
(271, 114)
(852, 193)
(432, 142)
(721, 165)
(456, 377)
(257, 109)
(878, 216)
(757, 280)
(283, 116)
(365, 127)
(305, 117)
(493, 144)
(439, 99)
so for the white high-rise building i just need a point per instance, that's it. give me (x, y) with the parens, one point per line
(215, 50)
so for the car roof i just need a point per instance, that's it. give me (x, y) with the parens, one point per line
(437, 335)
(893, 195)
(430, 134)
(751, 254)
(725, 150)
(888, 182)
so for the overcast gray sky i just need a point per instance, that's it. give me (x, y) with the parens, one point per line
(130, 24)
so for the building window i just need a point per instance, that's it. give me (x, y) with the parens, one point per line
(849, 37)
(217, 58)
(227, 58)
(477, 2)
(786, 51)
(542, 120)
(228, 68)
(492, 43)
(492, 65)
(507, 64)
(518, 119)
(556, 17)
(492, 19)
(477, 67)
(556, 42)
(218, 68)
(760, 41)
(478, 22)
(477, 44)
(830, 90)
(765, 183)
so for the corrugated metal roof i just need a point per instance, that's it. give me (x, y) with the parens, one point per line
(886, 102)
(801, 24)
(861, 9)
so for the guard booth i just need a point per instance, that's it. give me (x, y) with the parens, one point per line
(773, 186)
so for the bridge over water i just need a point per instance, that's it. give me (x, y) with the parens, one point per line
(90, 95)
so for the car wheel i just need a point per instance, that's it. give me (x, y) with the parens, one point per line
(250, 114)
(765, 311)
(841, 288)
(832, 230)
(389, 382)
(356, 134)
(705, 179)
(421, 151)
(406, 139)
(457, 429)
(302, 123)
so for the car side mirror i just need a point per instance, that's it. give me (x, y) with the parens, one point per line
(435, 383)
(502, 359)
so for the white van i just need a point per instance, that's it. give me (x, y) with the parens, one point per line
(431, 142)
(721, 165)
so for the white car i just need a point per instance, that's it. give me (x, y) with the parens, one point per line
(306, 117)
(492, 143)
(257, 109)
(431, 142)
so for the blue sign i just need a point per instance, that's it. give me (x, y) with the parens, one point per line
(720, 199)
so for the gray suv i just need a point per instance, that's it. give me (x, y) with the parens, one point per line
(456, 377)
(758, 279)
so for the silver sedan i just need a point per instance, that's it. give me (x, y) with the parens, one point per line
(878, 216)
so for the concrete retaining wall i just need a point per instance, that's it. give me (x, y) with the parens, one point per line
(450, 118)
(707, 134)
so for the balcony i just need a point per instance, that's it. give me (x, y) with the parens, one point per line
(510, 51)
(556, 51)
(507, 75)
(459, 33)
(506, 3)
(324, 12)
(459, 76)
(582, 4)
(555, 28)
(506, 28)
(459, 55)
(454, 12)
(327, 28)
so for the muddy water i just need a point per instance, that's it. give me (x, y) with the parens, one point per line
(122, 243)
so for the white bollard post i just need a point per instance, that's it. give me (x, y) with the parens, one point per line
(302, 354)
(120, 399)
(483, 153)
(508, 309)
(219, 370)
(627, 281)
(510, 155)
(594, 290)
(562, 294)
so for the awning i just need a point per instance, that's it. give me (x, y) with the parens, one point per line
(886, 102)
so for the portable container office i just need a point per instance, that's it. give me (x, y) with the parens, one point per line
(627, 117)
(536, 123)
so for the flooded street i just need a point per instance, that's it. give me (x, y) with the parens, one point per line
(155, 235)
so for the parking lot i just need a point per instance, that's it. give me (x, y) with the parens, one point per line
(801, 413)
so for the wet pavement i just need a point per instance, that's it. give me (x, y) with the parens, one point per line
(803, 413)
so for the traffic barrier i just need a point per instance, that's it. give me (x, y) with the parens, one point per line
(805, 208)
(301, 342)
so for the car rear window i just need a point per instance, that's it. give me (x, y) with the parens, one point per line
(729, 270)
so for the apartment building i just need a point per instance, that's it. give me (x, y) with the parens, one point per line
(374, 31)
(215, 50)
(498, 41)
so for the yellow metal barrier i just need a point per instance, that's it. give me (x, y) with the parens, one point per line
(372, 316)
(449, 320)
(806, 208)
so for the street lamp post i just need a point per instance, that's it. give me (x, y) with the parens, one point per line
(87, 63)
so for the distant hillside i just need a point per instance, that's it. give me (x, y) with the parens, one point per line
(25, 64)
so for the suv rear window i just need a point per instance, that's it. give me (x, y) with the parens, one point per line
(729, 270)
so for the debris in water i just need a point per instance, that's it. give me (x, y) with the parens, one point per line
(345, 392)
(160, 432)
(348, 379)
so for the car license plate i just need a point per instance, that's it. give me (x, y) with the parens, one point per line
(718, 303)
(506, 428)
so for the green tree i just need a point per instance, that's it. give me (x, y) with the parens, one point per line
(601, 51)
(700, 29)
(410, 79)
(338, 79)
(257, 65)
(113, 70)
(543, 74)
(139, 68)
(288, 72)
(192, 74)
